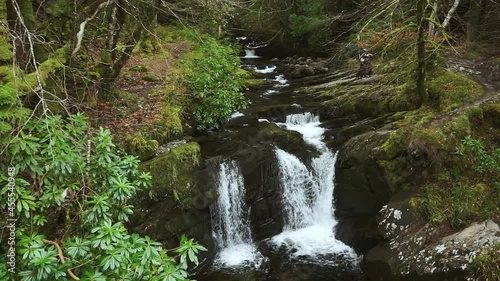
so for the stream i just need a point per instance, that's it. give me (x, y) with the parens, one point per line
(273, 217)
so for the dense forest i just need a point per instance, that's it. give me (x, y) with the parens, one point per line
(91, 91)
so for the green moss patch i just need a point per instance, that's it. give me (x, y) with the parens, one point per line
(172, 171)
(5, 50)
(255, 83)
(450, 90)
(139, 146)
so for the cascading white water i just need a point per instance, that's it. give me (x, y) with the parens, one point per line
(268, 69)
(231, 226)
(250, 54)
(308, 195)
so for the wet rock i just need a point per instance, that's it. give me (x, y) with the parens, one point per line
(302, 67)
(415, 250)
(179, 201)
(362, 187)
(359, 233)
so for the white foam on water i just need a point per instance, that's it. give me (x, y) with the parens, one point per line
(264, 120)
(231, 225)
(268, 92)
(239, 255)
(265, 70)
(236, 115)
(307, 196)
(313, 241)
(308, 125)
(250, 54)
(280, 79)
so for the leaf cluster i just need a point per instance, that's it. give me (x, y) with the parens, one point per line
(74, 185)
(213, 77)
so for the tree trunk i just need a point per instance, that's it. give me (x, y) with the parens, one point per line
(473, 20)
(432, 27)
(422, 93)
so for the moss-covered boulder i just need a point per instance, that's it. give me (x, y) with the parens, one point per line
(139, 146)
(172, 172)
(362, 186)
(253, 83)
(416, 251)
(451, 90)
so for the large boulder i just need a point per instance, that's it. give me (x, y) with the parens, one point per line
(362, 187)
(414, 250)
(179, 200)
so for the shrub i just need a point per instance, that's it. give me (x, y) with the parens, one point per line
(212, 74)
(74, 186)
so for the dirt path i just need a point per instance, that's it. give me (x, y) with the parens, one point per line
(484, 71)
(142, 83)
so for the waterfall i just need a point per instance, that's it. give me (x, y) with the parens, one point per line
(308, 195)
(250, 54)
(230, 220)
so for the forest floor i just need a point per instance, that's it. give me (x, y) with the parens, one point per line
(139, 97)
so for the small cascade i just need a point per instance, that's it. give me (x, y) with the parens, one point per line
(297, 183)
(308, 125)
(267, 69)
(231, 226)
(250, 54)
(280, 81)
(308, 196)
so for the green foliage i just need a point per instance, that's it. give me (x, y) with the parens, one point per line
(467, 188)
(477, 158)
(487, 265)
(301, 26)
(73, 180)
(459, 204)
(212, 74)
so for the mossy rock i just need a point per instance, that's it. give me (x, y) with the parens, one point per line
(450, 90)
(139, 146)
(172, 172)
(245, 74)
(255, 83)
(492, 112)
(366, 101)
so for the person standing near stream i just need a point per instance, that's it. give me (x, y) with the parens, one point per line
(365, 64)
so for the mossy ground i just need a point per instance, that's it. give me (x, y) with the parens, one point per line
(450, 90)
(430, 148)
(457, 187)
(487, 265)
(148, 105)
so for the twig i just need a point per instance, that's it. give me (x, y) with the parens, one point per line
(61, 257)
